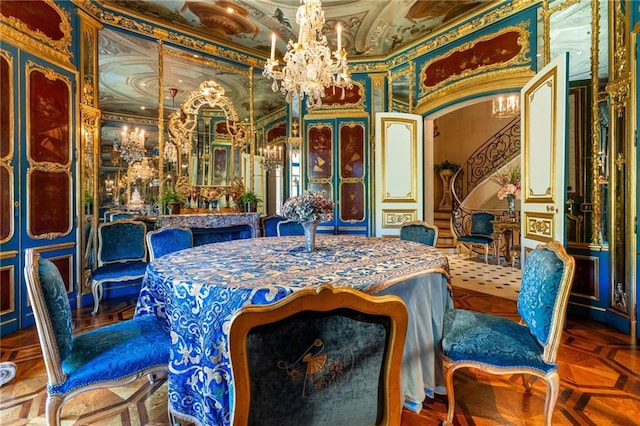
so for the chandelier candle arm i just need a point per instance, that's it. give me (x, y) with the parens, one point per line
(273, 47)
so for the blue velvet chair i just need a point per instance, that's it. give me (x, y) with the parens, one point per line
(320, 356)
(481, 233)
(168, 240)
(289, 227)
(122, 255)
(498, 345)
(270, 225)
(105, 357)
(120, 215)
(420, 232)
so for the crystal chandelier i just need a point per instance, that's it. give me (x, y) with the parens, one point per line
(171, 152)
(272, 157)
(309, 64)
(145, 170)
(131, 148)
(505, 107)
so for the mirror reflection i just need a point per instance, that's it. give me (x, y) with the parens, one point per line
(129, 176)
(207, 135)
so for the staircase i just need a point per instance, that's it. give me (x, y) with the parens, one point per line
(501, 148)
(446, 240)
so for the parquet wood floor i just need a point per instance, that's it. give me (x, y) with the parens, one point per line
(599, 370)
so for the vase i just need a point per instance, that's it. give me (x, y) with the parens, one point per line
(511, 200)
(310, 227)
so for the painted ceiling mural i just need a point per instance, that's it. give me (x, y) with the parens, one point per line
(371, 27)
(129, 68)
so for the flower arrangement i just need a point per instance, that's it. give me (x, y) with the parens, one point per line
(509, 182)
(310, 206)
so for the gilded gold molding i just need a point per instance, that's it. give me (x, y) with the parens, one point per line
(411, 195)
(620, 47)
(483, 83)
(395, 218)
(200, 60)
(450, 33)
(278, 115)
(90, 117)
(47, 167)
(539, 226)
(6, 55)
(9, 254)
(619, 90)
(596, 199)
(521, 59)
(12, 204)
(359, 105)
(19, 33)
(129, 119)
(545, 13)
(50, 74)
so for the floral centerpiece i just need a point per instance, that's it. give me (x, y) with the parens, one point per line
(309, 209)
(510, 188)
(311, 206)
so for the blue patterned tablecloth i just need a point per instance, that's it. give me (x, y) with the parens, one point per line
(196, 292)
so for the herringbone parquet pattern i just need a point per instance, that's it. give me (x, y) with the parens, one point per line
(599, 369)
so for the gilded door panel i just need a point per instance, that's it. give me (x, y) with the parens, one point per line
(49, 116)
(352, 202)
(320, 151)
(544, 132)
(9, 238)
(49, 201)
(7, 135)
(399, 171)
(352, 166)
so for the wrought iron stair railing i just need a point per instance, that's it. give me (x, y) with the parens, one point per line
(500, 149)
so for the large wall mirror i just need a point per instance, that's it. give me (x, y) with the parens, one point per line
(208, 136)
(588, 121)
(400, 89)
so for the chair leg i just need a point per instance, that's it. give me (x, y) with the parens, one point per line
(96, 290)
(451, 398)
(53, 409)
(553, 387)
(486, 254)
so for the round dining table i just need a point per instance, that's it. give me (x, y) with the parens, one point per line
(196, 292)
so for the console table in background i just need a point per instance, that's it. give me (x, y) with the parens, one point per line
(505, 228)
(211, 220)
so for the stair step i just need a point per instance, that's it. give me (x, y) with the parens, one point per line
(442, 219)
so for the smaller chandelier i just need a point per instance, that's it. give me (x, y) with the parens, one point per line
(171, 152)
(131, 148)
(272, 157)
(505, 107)
(144, 170)
(310, 66)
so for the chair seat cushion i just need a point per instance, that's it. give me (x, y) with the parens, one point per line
(487, 339)
(114, 352)
(120, 271)
(477, 239)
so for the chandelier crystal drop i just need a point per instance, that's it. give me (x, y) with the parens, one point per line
(131, 147)
(310, 66)
(505, 106)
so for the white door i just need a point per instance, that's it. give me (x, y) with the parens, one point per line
(398, 172)
(544, 132)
